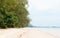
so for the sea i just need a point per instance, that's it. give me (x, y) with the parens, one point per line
(53, 30)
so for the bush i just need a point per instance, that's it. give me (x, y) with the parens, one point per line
(13, 14)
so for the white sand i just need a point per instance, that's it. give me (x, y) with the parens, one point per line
(24, 33)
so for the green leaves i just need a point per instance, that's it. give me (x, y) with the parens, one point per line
(13, 14)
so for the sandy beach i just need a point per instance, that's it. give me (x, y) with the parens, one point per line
(24, 33)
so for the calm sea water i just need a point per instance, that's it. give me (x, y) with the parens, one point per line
(52, 31)
(55, 31)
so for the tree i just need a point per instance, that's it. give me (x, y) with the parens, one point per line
(13, 13)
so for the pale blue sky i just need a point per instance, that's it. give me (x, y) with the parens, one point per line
(44, 12)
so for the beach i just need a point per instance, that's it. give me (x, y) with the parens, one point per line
(26, 33)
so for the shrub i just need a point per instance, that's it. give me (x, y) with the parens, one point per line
(13, 14)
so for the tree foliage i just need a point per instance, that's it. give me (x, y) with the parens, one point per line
(13, 13)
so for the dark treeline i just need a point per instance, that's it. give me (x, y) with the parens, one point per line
(13, 14)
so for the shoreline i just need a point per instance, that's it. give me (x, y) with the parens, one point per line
(24, 33)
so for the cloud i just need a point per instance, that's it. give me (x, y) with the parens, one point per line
(44, 12)
(38, 4)
(44, 4)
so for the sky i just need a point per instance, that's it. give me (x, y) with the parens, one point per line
(44, 12)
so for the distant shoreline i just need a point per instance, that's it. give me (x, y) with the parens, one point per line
(46, 26)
